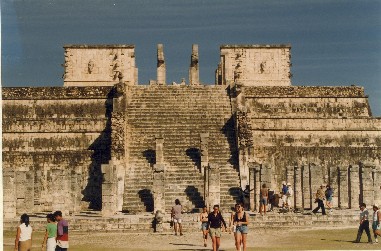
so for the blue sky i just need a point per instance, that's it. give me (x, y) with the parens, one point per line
(333, 42)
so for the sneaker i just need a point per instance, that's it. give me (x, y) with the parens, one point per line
(181, 234)
(375, 241)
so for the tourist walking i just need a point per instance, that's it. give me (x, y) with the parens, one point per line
(241, 220)
(364, 223)
(215, 221)
(204, 224)
(329, 197)
(283, 194)
(264, 196)
(376, 222)
(23, 241)
(62, 232)
(319, 198)
(231, 220)
(50, 234)
(176, 215)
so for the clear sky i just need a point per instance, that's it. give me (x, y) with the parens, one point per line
(333, 42)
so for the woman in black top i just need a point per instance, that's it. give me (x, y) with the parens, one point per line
(241, 220)
(215, 220)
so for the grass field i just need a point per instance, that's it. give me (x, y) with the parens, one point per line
(307, 239)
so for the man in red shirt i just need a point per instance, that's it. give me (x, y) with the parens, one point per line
(62, 232)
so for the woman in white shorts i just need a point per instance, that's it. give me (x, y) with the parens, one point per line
(176, 215)
(376, 222)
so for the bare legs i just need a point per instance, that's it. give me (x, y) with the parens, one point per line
(205, 236)
(179, 228)
(240, 238)
(216, 243)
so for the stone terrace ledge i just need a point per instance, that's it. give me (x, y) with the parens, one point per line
(25, 93)
(304, 91)
(247, 46)
(98, 46)
(90, 221)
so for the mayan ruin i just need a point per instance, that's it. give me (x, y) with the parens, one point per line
(108, 143)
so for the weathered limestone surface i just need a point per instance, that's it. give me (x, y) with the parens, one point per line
(255, 65)
(83, 147)
(179, 114)
(326, 128)
(100, 65)
(54, 142)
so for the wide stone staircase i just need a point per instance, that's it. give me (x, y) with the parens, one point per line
(179, 114)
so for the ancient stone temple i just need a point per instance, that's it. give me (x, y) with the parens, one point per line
(105, 142)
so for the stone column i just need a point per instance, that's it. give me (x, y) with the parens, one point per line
(214, 190)
(9, 193)
(159, 150)
(159, 177)
(333, 181)
(354, 186)
(377, 184)
(159, 188)
(161, 69)
(252, 184)
(367, 184)
(194, 75)
(257, 186)
(204, 139)
(298, 188)
(306, 189)
(343, 187)
(109, 205)
(60, 202)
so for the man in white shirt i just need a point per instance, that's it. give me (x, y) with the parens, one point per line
(364, 224)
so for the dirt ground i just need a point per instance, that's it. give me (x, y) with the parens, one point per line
(301, 239)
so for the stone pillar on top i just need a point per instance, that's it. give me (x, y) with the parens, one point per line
(159, 177)
(194, 74)
(214, 187)
(343, 187)
(354, 186)
(161, 69)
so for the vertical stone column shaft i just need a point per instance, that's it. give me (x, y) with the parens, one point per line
(307, 195)
(367, 184)
(343, 187)
(214, 190)
(252, 184)
(354, 186)
(204, 139)
(159, 150)
(257, 187)
(377, 184)
(159, 177)
(298, 188)
(161, 68)
(194, 75)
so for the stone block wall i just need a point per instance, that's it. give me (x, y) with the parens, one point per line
(255, 65)
(99, 65)
(322, 130)
(54, 141)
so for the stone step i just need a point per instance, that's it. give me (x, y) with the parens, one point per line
(143, 222)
